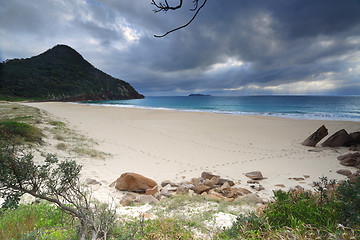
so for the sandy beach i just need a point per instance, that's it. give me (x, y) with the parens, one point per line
(174, 145)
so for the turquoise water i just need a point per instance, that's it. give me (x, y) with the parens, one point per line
(303, 107)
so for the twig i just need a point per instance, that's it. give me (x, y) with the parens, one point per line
(185, 25)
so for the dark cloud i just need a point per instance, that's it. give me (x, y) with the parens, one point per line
(233, 47)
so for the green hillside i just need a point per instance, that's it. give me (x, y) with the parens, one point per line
(60, 74)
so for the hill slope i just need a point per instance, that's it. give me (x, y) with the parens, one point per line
(60, 74)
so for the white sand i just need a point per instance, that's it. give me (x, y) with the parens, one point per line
(172, 145)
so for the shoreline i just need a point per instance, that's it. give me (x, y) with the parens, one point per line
(177, 146)
(319, 117)
(337, 108)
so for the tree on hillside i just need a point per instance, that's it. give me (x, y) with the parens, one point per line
(164, 7)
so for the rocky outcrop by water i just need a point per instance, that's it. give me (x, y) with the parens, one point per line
(340, 138)
(316, 137)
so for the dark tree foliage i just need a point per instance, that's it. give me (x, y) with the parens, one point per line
(53, 181)
(165, 6)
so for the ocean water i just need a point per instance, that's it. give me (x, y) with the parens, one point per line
(346, 108)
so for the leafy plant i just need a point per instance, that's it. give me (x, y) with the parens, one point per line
(294, 209)
(349, 206)
(325, 187)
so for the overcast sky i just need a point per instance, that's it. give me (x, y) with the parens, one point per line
(234, 47)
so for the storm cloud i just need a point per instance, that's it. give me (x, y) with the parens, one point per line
(234, 47)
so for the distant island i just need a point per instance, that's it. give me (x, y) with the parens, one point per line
(60, 74)
(198, 95)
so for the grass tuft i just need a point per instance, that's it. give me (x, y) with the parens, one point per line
(32, 221)
(21, 131)
(57, 124)
(61, 146)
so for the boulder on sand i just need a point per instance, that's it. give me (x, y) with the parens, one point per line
(146, 199)
(217, 197)
(152, 191)
(354, 139)
(221, 181)
(354, 176)
(212, 182)
(255, 175)
(235, 192)
(351, 159)
(166, 182)
(345, 172)
(338, 139)
(92, 181)
(224, 180)
(127, 199)
(208, 175)
(314, 138)
(133, 182)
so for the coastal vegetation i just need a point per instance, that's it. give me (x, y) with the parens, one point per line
(54, 181)
(289, 216)
(30, 126)
(60, 74)
(329, 212)
(20, 132)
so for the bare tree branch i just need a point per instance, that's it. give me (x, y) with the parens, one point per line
(165, 7)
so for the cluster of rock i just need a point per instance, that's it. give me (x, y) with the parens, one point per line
(353, 160)
(208, 185)
(339, 139)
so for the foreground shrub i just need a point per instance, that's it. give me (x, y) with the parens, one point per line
(292, 210)
(327, 214)
(56, 182)
(349, 203)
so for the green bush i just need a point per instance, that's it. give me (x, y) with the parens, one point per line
(21, 132)
(304, 215)
(292, 210)
(349, 203)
